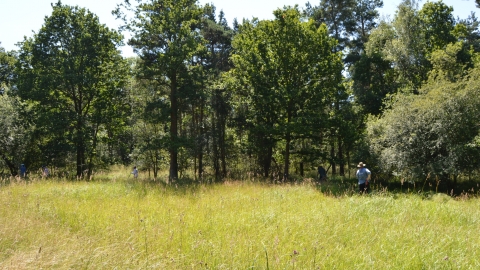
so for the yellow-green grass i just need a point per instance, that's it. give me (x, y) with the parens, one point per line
(122, 224)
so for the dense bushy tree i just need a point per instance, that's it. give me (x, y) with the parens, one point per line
(435, 132)
(73, 74)
(15, 132)
(7, 65)
(438, 24)
(290, 74)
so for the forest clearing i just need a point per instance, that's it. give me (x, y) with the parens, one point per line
(120, 223)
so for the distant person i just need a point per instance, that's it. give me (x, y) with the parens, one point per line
(322, 173)
(135, 172)
(363, 175)
(45, 171)
(23, 171)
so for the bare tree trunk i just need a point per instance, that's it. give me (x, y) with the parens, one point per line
(287, 158)
(332, 156)
(202, 132)
(173, 172)
(340, 157)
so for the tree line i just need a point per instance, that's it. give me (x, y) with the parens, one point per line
(329, 83)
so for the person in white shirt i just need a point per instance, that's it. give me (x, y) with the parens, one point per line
(363, 175)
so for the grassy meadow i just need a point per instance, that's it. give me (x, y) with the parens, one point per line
(121, 223)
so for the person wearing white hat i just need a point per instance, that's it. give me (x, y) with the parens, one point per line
(363, 175)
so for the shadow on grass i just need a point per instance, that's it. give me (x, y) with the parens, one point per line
(342, 186)
(335, 186)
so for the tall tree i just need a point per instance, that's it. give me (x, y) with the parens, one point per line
(166, 37)
(407, 50)
(468, 30)
(73, 73)
(150, 117)
(218, 36)
(438, 25)
(291, 73)
(374, 76)
(337, 15)
(364, 19)
(7, 65)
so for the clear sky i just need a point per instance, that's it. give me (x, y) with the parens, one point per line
(18, 18)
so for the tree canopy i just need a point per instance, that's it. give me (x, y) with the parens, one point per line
(290, 71)
(328, 84)
(73, 74)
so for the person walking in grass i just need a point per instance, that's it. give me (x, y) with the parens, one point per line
(135, 172)
(322, 174)
(363, 175)
(45, 171)
(23, 171)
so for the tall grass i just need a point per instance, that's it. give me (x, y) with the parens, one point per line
(126, 224)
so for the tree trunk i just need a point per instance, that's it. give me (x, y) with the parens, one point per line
(80, 149)
(287, 158)
(200, 152)
(223, 127)
(215, 139)
(80, 159)
(332, 156)
(267, 161)
(340, 157)
(155, 165)
(92, 153)
(173, 172)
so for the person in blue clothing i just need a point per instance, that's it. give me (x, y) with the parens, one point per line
(23, 171)
(135, 172)
(45, 171)
(363, 175)
(322, 173)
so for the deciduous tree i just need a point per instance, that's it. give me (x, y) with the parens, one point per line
(73, 74)
(290, 71)
(434, 132)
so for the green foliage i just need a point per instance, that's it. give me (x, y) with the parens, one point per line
(407, 49)
(150, 115)
(373, 80)
(434, 132)
(363, 21)
(73, 75)
(337, 15)
(166, 36)
(7, 63)
(287, 74)
(438, 25)
(467, 30)
(15, 132)
(447, 63)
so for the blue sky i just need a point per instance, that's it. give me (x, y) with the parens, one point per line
(18, 18)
